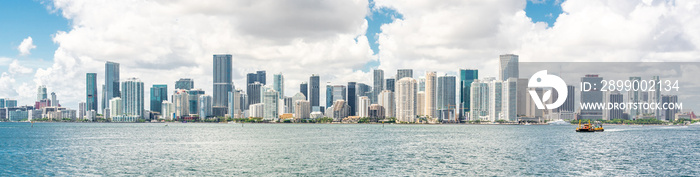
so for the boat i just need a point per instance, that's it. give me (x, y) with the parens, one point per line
(597, 127)
(559, 122)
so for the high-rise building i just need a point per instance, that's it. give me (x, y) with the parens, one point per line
(297, 97)
(304, 89)
(181, 103)
(479, 99)
(234, 104)
(378, 84)
(159, 93)
(167, 109)
(421, 84)
(445, 96)
(509, 67)
(54, 101)
(9, 103)
(363, 106)
(314, 90)
(184, 83)
(288, 105)
(633, 96)
(111, 87)
(302, 109)
(614, 97)
(390, 84)
(406, 99)
(262, 77)
(254, 91)
(132, 97)
(568, 105)
(278, 84)
(329, 95)
(352, 98)
(669, 114)
(592, 96)
(376, 112)
(223, 66)
(401, 73)
(386, 99)
(509, 94)
(430, 93)
(194, 100)
(339, 93)
(339, 110)
(41, 93)
(420, 103)
(116, 106)
(205, 106)
(81, 110)
(466, 77)
(271, 102)
(90, 92)
(257, 110)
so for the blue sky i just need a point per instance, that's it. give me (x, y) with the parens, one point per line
(22, 19)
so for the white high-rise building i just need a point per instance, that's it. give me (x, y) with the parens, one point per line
(510, 99)
(205, 106)
(302, 109)
(363, 106)
(257, 110)
(133, 97)
(479, 101)
(295, 98)
(167, 109)
(181, 103)
(116, 106)
(406, 89)
(386, 100)
(430, 87)
(271, 102)
(509, 67)
(420, 103)
(495, 100)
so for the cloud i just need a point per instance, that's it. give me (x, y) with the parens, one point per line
(16, 68)
(26, 46)
(162, 41)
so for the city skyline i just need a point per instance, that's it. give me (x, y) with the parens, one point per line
(370, 34)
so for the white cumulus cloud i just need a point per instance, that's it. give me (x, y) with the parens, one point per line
(26, 46)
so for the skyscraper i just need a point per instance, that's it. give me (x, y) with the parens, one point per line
(41, 93)
(479, 99)
(466, 77)
(430, 93)
(132, 97)
(116, 106)
(401, 73)
(262, 77)
(509, 67)
(304, 89)
(314, 90)
(386, 100)
(390, 84)
(90, 91)
(329, 95)
(278, 84)
(352, 98)
(378, 84)
(302, 109)
(406, 99)
(193, 98)
(445, 96)
(339, 93)
(363, 106)
(271, 103)
(594, 95)
(111, 88)
(223, 65)
(159, 93)
(254, 91)
(184, 83)
(54, 101)
(205, 106)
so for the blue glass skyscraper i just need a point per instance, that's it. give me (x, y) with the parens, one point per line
(111, 87)
(91, 91)
(466, 77)
(159, 93)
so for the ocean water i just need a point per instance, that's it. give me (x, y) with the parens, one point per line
(182, 149)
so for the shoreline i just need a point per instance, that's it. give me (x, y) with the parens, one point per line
(337, 123)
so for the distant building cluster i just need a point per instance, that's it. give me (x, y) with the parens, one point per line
(401, 97)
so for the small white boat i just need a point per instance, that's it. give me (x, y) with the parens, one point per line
(559, 122)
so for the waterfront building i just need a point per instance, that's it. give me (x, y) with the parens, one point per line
(376, 112)
(430, 93)
(297, 97)
(116, 106)
(592, 96)
(406, 100)
(168, 109)
(271, 102)
(205, 107)
(302, 109)
(314, 90)
(352, 97)
(445, 99)
(132, 97)
(184, 84)
(223, 66)
(466, 77)
(387, 101)
(401, 73)
(111, 86)
(159, 93)
(90, 91)
(508, 67)
(378, 84)
(363, 106)
(257, 110)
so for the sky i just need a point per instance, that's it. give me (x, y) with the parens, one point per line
(54, 43)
